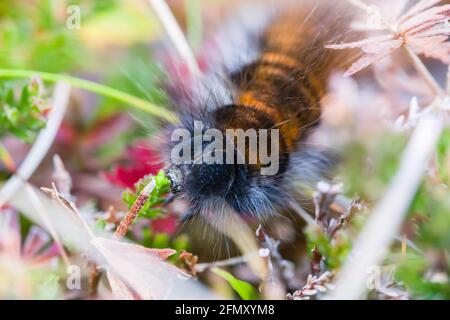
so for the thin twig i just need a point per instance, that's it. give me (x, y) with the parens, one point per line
(68, 205)
(48, 224)
(128, 219)
(40, 146)
(94, 272)
(388, 215)
(175, 33)
(200, 267)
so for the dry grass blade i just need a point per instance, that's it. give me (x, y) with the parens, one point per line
(175, 33)
(200, 267)
(238, 230)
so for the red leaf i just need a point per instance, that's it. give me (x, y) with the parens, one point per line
(165, 225)
(66, 134)
(143, 161)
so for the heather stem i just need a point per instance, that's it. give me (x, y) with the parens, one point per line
(131, 215)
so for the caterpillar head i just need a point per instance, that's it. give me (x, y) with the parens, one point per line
(209, 186)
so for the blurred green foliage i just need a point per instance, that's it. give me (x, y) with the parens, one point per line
(150, 209)
(33, 36)
(110, 46)
(137, 74)
(21, 113)
(426, 274)
(369, 165)
(334, 251)
(367, 169)
(244, 289)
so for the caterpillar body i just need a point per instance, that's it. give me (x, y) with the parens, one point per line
(268, 73)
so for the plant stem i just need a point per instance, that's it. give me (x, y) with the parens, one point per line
(93, 87)
(34, 199)
(122, 229)
(423, 71)
(175, 34)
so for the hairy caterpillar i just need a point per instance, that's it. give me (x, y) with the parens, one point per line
(270, 72)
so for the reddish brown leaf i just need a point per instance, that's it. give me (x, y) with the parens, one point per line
(424, 28)
(142, 270)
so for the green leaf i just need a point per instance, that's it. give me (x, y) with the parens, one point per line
(443, 155)
(10, 96)
(162, 182)
(12, 114)
(24, 98)
(244, 289)
(20, 115)
(49, 288)
(149, 210)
